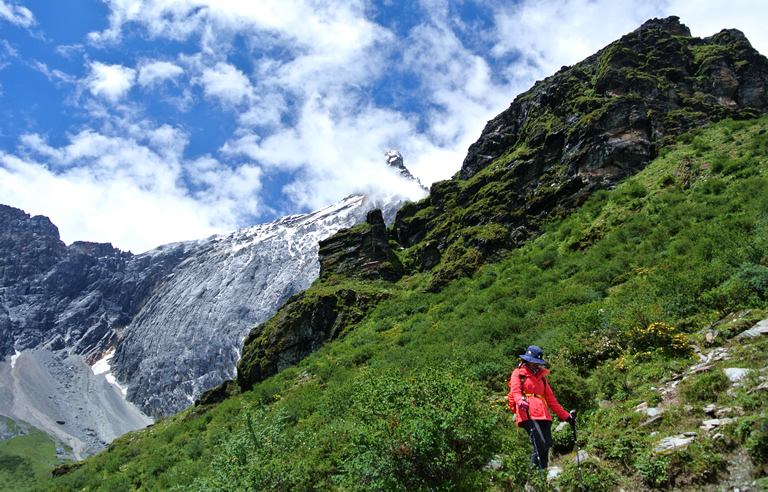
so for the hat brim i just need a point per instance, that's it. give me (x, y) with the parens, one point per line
(533, 360)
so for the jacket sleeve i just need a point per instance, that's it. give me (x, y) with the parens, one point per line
(553, 403)
(515, 391)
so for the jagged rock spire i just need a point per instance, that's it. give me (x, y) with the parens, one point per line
(395, 160)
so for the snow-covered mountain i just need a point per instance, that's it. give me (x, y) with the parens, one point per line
(165, 325)
(188, 335)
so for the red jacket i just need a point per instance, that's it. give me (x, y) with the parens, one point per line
(538, 393)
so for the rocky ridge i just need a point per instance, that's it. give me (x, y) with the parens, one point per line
(585, 128)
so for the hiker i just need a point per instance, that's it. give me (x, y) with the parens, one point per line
(531, 398)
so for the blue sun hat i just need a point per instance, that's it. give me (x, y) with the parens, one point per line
(535, 355)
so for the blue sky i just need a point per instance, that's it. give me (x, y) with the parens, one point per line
(144, 122)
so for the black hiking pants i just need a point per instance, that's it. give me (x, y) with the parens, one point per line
(543, 441)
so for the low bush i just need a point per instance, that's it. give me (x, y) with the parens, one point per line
(705, 388)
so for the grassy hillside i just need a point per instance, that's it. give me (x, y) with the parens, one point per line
(26, 459)
(625, 295)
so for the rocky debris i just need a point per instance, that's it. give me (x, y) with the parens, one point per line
(761, 387)
(710, 424)
(10, 428)
(713, 409)
(553, 472)
(674, 443)
(60, 395)
(760, 328)
(494, 464)
(735, 374)
(718, 354)
(649, 411)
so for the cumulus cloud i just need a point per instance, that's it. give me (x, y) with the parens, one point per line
(226, 83)
(543, 36)
(110, 82)
(156, 72)
(129, 186)
(15, 14)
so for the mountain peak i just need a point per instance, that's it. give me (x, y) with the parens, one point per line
(670, 24)
(395, 160)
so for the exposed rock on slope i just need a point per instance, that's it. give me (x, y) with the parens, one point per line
(307, 320)
(360, 252)
(585, 128)
(300, 327)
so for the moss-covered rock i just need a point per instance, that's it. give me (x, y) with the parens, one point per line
(300, 327)
(360, 252)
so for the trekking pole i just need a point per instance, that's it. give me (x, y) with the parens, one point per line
(578, 451)
(533, 440)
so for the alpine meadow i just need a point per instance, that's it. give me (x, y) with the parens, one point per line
(615, 215)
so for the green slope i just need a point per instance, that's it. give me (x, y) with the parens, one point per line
(620, 294)
(27, 459)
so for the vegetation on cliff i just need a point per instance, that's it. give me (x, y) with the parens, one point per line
(620, 294)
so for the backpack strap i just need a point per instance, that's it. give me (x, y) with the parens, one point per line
(522, 389)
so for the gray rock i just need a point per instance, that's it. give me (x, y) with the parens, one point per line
(672, 443)
(760, 328)
(176, 315)
(735, 374)
(710, 424)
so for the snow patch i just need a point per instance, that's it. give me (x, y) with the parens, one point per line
(13, 359)
(103, 366)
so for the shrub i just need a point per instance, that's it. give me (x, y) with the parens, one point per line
(757, 443)
(653, 469)
(595, 475)
(418, 432)
(658, 337)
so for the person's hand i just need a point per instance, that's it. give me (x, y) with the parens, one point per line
(572, 418)
(523, 405)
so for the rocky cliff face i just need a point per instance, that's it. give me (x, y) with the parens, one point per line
(188, 336)
(307, 320)
(585, 128)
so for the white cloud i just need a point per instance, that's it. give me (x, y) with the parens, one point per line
(111, 82)
(226, 83)
(547, 35)
(132, 190)
(156, 72)
(15, 14)
(708, 17)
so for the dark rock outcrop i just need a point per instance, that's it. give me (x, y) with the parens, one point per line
(219, 393)
(585, 128)
(58, 297)
(362, 252)
(300, 327)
